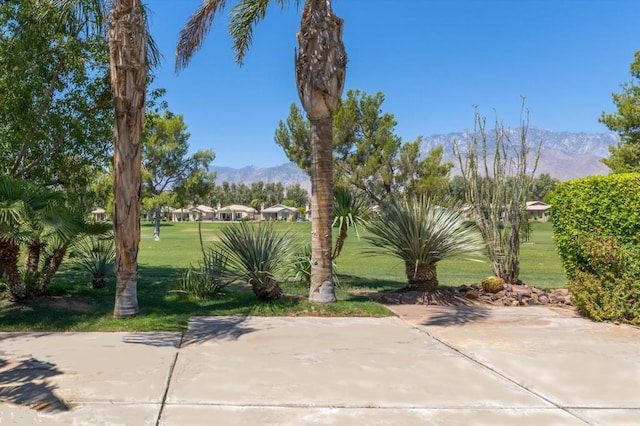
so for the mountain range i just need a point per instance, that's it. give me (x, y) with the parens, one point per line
(564, 155)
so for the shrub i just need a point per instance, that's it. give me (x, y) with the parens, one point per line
(492, 284)
(608, 288)
(601, 205)
(208, 279)
(95, 254)
(257, 252)
(299, 270)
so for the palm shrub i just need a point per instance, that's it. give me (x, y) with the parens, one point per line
(299, 269)
(94, 254)
(257, 252)
(421, 234)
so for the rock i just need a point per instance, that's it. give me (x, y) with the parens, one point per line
(543, 299)
(515, 303)
(472, 294)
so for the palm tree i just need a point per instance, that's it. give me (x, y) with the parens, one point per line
(421, 234)
(129, 68)
(320, 75)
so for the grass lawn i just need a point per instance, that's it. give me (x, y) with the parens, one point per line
(75, 306)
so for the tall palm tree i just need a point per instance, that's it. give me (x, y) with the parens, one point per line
(129, 68)
(320, 75)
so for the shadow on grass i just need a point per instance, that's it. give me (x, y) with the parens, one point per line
(458, 315)
(25, 382)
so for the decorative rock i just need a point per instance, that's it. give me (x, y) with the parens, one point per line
(472, 294)
(543, 299)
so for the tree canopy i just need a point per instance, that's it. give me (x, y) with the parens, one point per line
(367, 152)
(625, 157)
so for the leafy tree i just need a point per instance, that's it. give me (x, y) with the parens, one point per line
(56, 98)
(367, 153)
(542, 186)
(320, 66)
(625, 157)
(298, 195)
(166, 162)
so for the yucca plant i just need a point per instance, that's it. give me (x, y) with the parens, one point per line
(257, 252)
(209, 278)
(299, 269)
(421, 234)
(95, 254)
(349, 211)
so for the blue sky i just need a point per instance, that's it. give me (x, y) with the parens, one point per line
(433, 59)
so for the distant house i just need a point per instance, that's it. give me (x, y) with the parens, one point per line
(99, 215)
(279, 212)
(235, 212)
(537, 210)
(192, 213)
(179, 215)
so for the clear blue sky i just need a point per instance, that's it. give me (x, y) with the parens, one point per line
(433, 60)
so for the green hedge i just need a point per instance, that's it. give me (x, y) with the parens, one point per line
(600, 205)
(596, 230)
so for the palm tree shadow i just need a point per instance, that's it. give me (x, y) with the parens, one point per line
(457, 315)
(25, 382)
(206, 329)
(157, 339)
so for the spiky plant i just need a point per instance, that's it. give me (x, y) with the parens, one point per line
(257, 252)
(349, 211)
(421, 234)
(95, 255)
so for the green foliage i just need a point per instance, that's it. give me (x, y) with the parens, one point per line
(603, 205)
(257, 253)
(208, 279)
(95, 255)
(607, 285)
(349, 210)
(422, 233)
(368, 154)
(299, 269)
(625, 157)
(492, 284)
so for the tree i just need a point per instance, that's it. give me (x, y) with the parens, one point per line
(298, 195)
(55, 92)
(367, 152)
(129, 68)
(625, 157)
(320, 66)
(166, 163)
(542, 186)
(497, 181)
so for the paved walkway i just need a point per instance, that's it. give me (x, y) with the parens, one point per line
(429, 365)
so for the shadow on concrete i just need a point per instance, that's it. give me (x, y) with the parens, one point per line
(207, 329)
(458, 315)
(157, 339)
(24, 382)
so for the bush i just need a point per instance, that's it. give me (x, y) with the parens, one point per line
(299, 270)
(601, 205)
(609, 287)
(492, 284)
(95, 254)
(208, 279)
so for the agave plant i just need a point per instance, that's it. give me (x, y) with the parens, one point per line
(256, 254)
(421, 234)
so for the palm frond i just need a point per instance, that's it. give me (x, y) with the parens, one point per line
(196, 29)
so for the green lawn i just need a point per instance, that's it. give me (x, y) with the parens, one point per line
(74, 306)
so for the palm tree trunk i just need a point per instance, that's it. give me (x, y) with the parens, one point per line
(52, 267)
(320, 75)
(340, 240)
(322, 287)
(422, 277)
(32, 258)
(9, 253)
(129, 70)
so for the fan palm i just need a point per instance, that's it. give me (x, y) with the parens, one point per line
(256, 254)
(320, 75)
(421, 234)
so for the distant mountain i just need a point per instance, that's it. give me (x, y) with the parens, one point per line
(288, 174)
(564, 156)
